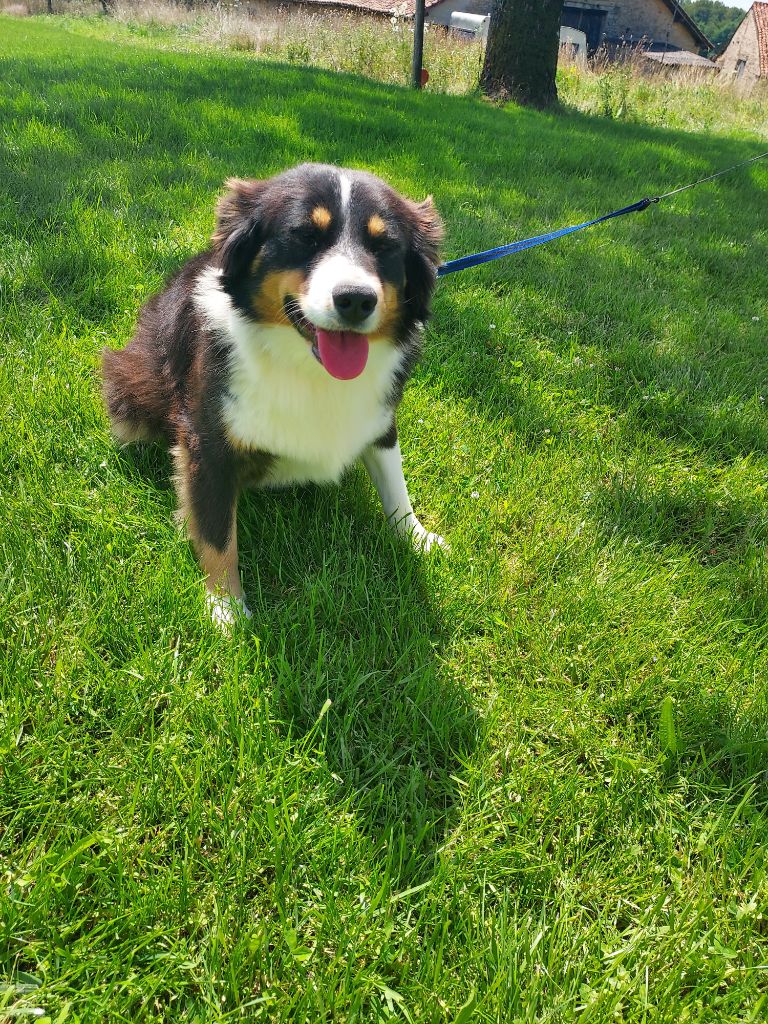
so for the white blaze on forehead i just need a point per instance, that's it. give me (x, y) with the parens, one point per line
(345, 182)
(338, 271)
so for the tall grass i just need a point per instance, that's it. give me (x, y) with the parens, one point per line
(688, 98)
(380, 48)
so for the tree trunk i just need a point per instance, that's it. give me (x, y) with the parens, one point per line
(521, 55)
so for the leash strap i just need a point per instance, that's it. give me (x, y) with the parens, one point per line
(475, 259)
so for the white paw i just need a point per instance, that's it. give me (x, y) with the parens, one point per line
(225, 609)
(424, 541)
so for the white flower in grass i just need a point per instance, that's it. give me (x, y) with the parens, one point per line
(475, 494)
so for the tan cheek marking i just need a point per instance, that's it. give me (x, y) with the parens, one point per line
(390, 314)
(256, 263)
(321, 217)
(376, 226)
(268, 300)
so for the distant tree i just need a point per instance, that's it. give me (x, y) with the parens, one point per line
(716, 20)
(521, 53)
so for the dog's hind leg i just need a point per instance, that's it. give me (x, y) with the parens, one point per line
(134, 395)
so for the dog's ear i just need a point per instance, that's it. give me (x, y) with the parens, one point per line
(423, 257)
(239, 223)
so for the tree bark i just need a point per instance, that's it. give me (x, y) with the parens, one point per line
(521, 54)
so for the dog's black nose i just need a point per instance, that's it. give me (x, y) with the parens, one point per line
(354, 303)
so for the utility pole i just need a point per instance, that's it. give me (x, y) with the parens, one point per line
(418, 44)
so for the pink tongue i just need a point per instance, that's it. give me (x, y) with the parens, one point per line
(343, 353)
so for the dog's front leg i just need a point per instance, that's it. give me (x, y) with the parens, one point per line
(384, 463)
(224, 595)
(208, 508)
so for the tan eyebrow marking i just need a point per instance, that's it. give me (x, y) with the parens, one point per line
(376, 226)
(321, 217)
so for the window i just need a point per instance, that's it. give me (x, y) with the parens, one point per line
(740, 65)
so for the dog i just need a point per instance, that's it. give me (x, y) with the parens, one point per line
(279, 355)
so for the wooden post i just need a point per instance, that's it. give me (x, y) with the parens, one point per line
(418, 44)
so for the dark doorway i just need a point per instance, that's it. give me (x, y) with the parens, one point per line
(589, 20)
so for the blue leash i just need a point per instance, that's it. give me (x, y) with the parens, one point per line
(475, 259)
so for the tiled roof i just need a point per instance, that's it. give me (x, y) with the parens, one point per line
(680, 57)
(760, 14)
(403, 8)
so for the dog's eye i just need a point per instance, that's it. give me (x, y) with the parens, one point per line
(307, 236)
(384, 244)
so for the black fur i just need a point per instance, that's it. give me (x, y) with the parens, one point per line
(172, 379)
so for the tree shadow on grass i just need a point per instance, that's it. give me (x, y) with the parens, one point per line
(681, 351)
(716, 528)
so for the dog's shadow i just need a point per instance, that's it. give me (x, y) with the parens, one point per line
(344, 611)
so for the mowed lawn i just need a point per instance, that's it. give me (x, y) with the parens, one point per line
(523, 782)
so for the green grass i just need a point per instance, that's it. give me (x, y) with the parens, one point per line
(380, 48)
(539, 791)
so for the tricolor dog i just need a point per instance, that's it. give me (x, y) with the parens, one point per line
(279, 355)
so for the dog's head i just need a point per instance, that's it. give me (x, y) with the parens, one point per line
(334, 254)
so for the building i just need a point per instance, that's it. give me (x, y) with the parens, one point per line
(746, 56)
(680, 59)
(655, 25)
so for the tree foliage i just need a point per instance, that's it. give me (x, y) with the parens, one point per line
(715, 19)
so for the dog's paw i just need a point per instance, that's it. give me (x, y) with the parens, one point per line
(225, 610)
(424, 541)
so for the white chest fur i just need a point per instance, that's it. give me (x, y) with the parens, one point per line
(281, 400)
